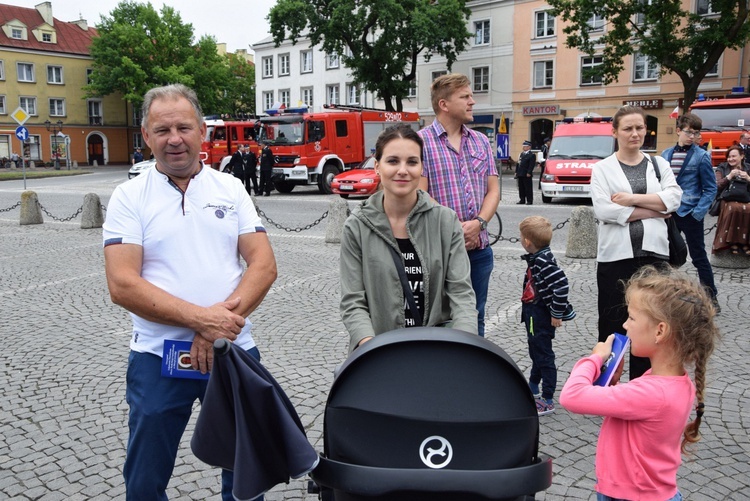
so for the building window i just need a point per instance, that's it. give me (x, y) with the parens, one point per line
(95, 112)
(267, 63)
(28, 104)
(545, 24)
(3, 108)
(306, 93)
(16, 33)
(137, 116)
(482, 32)
(704, 8)
(4, 145)
(640, 17)
(439, 73)
(283, 64)
(54, 74)
(412, 89)
(714, 71)
(89, 72)
(543, 74)
(137, 140)
(284, 97)
(481, 79)
(306, 61)
(644, 68)
(352, 92)
(332, 61)
(587, 64)
(596, 22)
(25, 72)
(56, 107)
(268, 100)
(47, 37)
(332, 92)
(2, 70)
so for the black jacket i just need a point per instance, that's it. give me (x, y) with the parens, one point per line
(266, 159)
(526, 164)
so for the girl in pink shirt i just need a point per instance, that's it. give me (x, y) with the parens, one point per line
(644, 432)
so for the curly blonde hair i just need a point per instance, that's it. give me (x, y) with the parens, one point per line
(670, 296)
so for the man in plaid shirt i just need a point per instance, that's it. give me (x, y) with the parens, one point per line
(459, 172)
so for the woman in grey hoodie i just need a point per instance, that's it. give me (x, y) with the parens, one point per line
(428, 238)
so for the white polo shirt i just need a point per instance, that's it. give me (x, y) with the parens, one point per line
(189, 242)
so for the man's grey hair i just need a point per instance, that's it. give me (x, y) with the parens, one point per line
(172, 91)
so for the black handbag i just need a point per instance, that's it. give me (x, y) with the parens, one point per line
(715, 207)
(736, 192)
(677, 247)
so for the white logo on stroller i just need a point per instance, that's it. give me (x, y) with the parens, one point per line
(427, 453)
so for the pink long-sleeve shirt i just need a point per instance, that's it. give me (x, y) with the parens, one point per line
(638, 452)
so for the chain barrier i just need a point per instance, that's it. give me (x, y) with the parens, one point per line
(706, 232)
(515, 240)
(282, 227)
(61, 219)
(11, 207)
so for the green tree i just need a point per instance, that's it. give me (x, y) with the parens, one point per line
(682, 42)
(241, 88)
(384, 37)
(138, 49)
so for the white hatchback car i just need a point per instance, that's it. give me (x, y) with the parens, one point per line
(140, 167)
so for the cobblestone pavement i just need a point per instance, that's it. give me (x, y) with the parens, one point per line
(63, 418)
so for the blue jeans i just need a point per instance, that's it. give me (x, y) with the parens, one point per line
(481, 267)
(602, 497)
(694, 238)
(540, 333)
(160, 408)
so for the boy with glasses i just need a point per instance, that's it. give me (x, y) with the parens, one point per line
(695, 174)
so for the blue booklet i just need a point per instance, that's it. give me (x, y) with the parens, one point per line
(619, 348)
(175, 361)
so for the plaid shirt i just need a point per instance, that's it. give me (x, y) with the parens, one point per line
(458, 179)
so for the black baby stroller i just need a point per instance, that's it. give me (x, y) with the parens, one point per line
(430, 414)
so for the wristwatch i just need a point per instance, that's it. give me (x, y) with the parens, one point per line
(482, 223)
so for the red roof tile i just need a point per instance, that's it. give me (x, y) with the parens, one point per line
(71, 39)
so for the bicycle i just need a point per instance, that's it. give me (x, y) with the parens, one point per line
(495, 228)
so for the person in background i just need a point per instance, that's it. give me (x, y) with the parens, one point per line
(137, 156)
(234, 166)
(459, 172)
(745, 145)
(631, 205)
(524, 170)
(543, 164)
(670, 322)
(694, 172)
(427, 238)
(733, 225)
(544, 306)
(266, 170)
(173, 238)
(250, 162)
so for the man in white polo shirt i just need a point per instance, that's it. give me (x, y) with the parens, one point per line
(173, 239)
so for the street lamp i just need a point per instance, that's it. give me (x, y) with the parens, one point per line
(56, 129)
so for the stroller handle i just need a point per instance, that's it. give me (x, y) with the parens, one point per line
(376, 481)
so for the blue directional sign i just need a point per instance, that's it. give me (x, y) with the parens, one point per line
(22, 133)
(503, 146)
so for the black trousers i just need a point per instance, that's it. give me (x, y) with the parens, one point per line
(613, 312)
(252, 177)
(265, 181)
(526, 189)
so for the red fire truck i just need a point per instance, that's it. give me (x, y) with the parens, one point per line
(223, 137)
(311, 148)
(724, 120)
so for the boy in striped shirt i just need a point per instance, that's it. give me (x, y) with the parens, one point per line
(544, 306)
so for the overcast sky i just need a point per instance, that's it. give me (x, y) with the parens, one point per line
(238, 23)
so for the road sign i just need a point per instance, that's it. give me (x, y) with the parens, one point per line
(22, 133)
(20, 116)
(503, 146)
